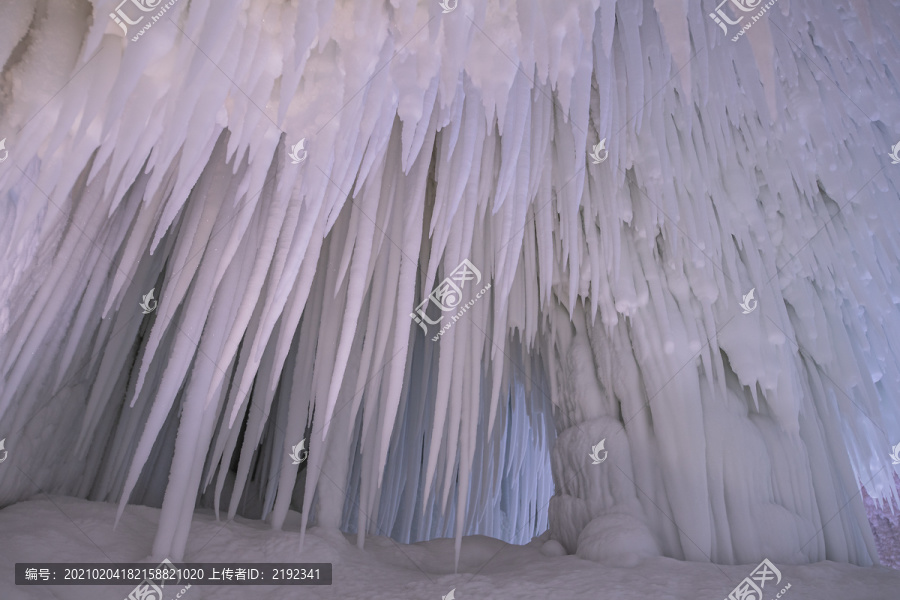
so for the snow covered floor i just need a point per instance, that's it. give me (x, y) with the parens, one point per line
(67, 529)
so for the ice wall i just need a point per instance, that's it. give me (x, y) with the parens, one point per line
(285, 290)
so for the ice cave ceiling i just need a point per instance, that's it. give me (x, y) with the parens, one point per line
(512, 230)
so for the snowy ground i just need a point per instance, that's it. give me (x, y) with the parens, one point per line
(64, 529)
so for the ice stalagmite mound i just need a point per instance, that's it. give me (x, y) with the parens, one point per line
(167, 158)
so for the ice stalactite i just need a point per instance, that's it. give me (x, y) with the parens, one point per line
(285, 289)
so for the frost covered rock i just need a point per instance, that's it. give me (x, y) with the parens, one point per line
(617, 539)
(553, 548)
(885, 520)
(568, 517)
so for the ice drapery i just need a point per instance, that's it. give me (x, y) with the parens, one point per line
(285, 290)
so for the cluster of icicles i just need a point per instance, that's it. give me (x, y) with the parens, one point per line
(285, 290)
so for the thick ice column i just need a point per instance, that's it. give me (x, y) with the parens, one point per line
(692, 463)
(595, 513)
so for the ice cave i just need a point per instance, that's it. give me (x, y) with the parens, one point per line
(450, 299)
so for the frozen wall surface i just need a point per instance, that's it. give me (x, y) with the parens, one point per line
(680, 231)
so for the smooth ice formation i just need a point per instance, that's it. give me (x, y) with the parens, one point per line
(294, 182)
